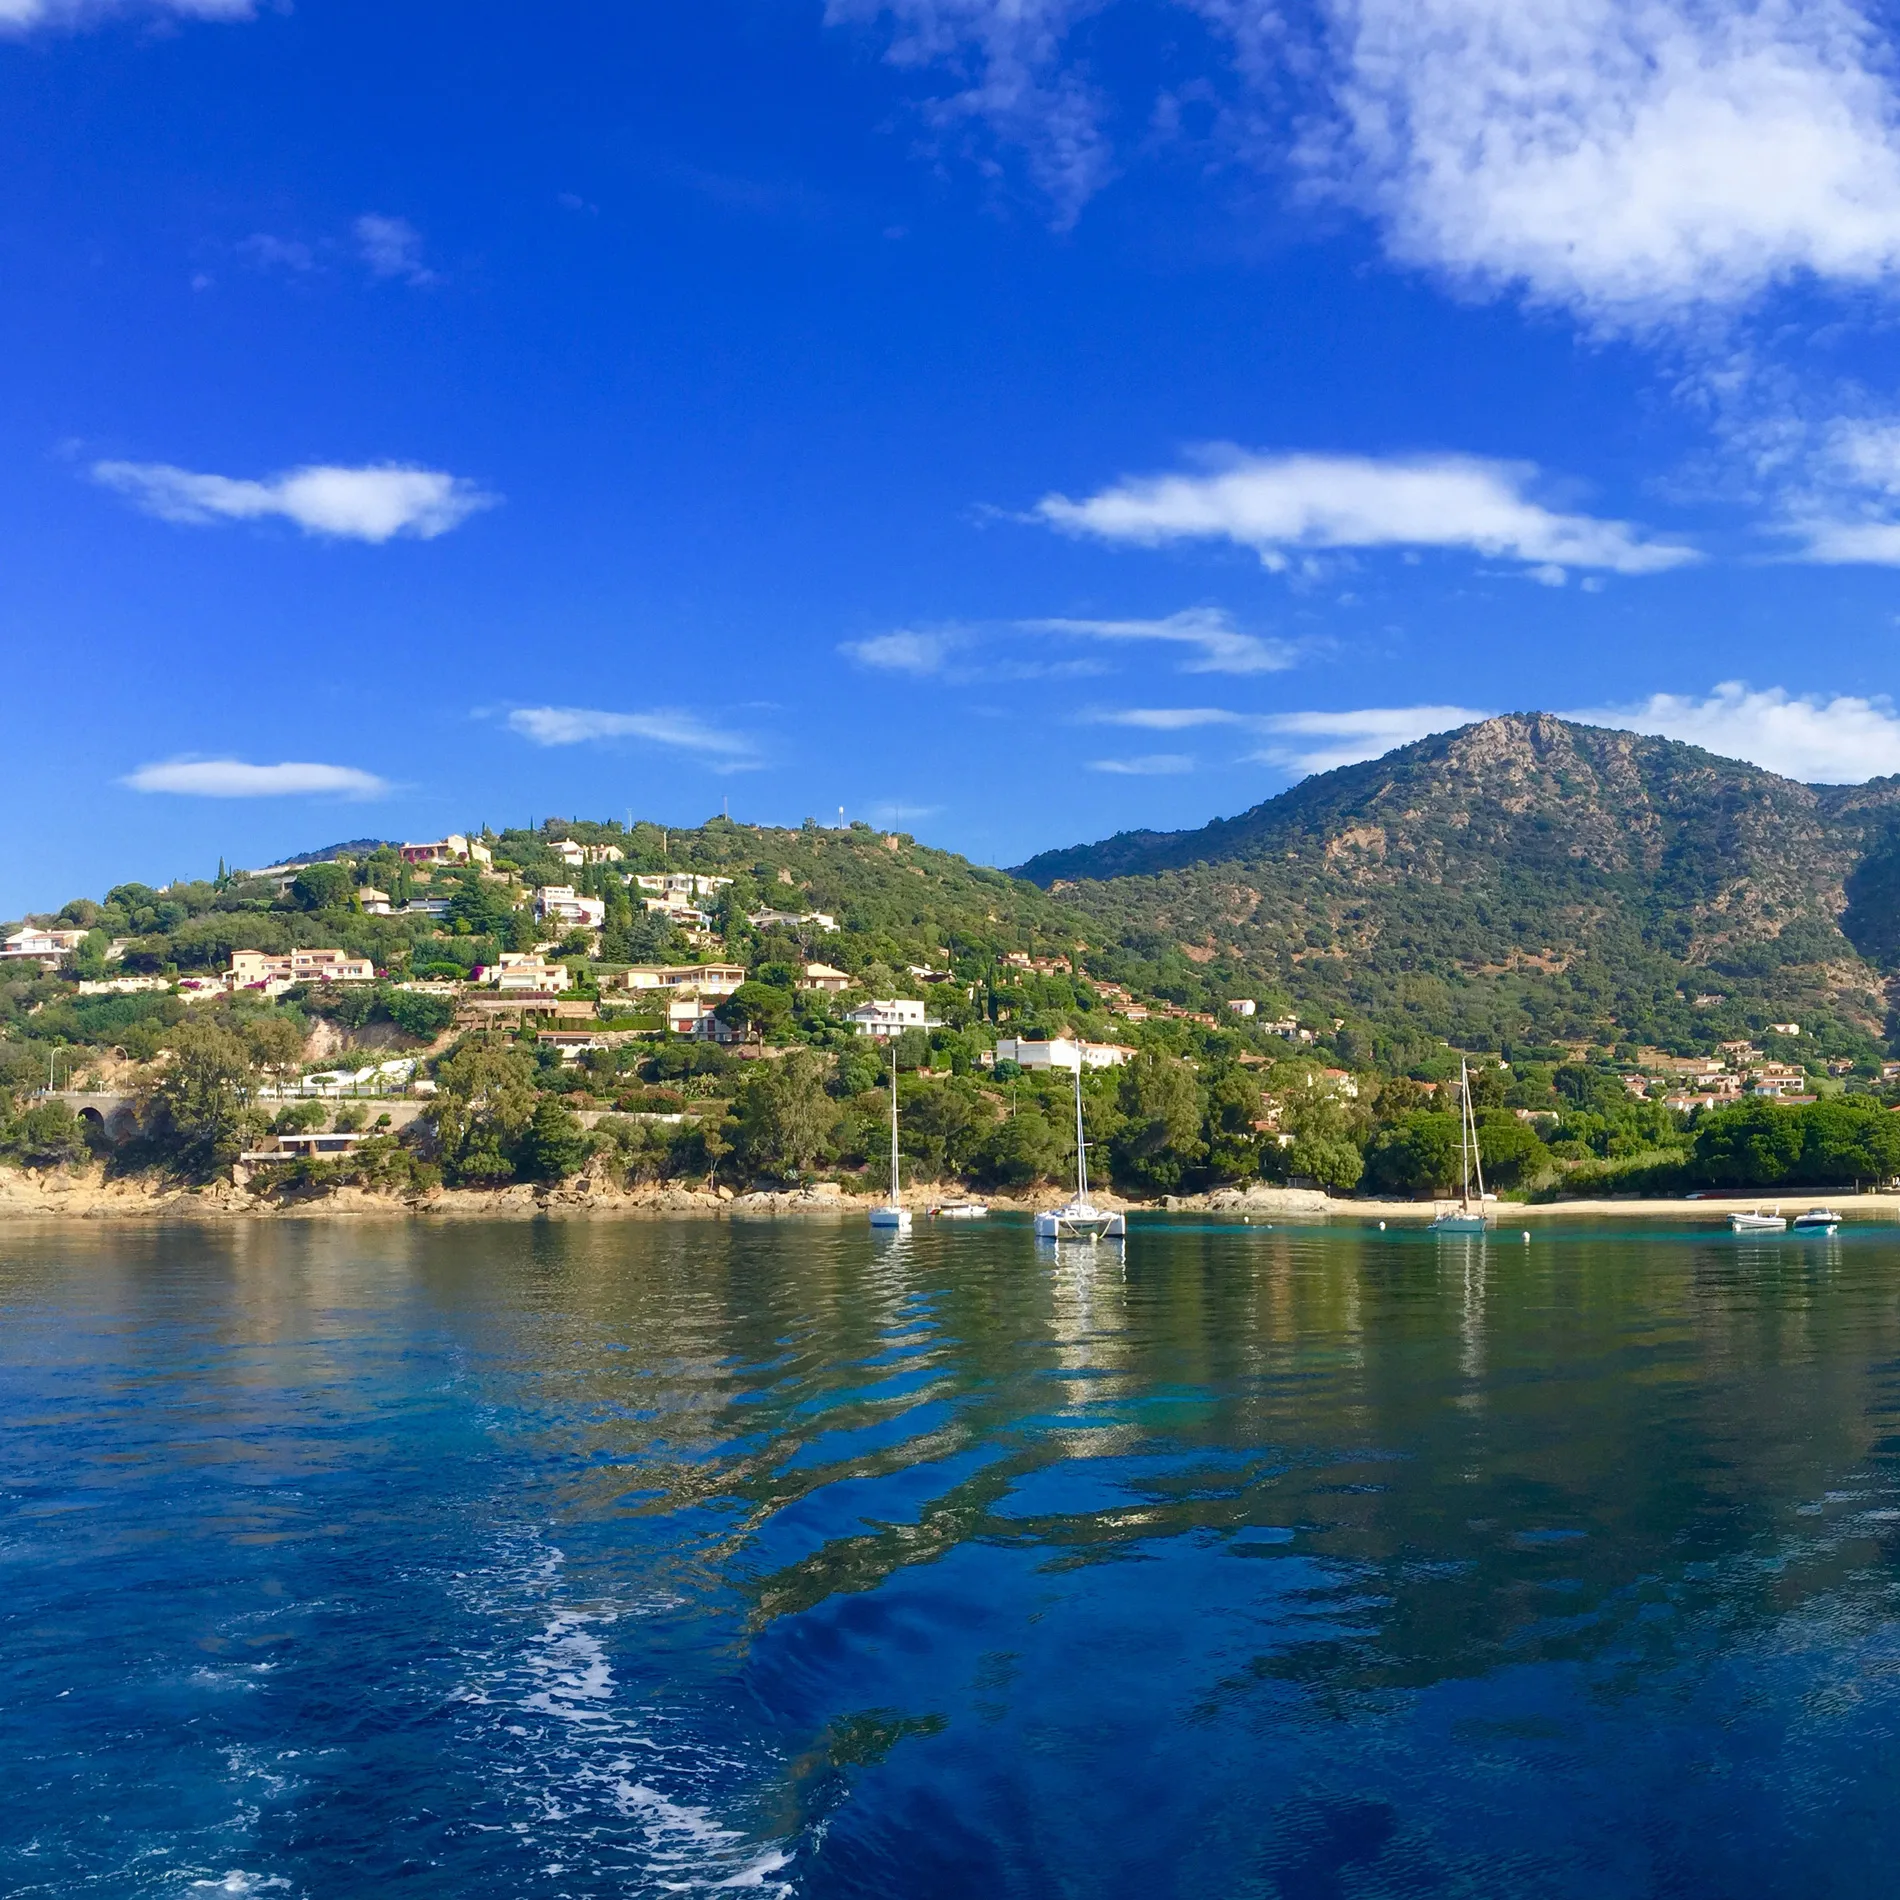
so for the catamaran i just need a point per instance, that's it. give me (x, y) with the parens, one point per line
(1080, 1219)
(893, 1213)
(1468, 1217)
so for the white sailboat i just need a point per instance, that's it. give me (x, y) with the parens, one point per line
(1080, 1219)
(1468, 1217)
(893, 1214)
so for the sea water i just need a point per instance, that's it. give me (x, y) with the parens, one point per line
(630, 1558)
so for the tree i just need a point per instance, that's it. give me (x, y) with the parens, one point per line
(1331, 1160)
(196, 1115)
(44, 1136)
(485, 1102)
(1416, 1153)
(1849, 1139)
(418, 1014)
(554, 1145)
(1022, 1149)
(1228, 1133)
(785, 1119)
(323, 887)
(1160, 1138)
(760, 1007)
(1510, 1150)
(1754, 1144)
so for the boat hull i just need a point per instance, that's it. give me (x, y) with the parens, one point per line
(1460, 1224)
(963, 1210)
(895, 1219)
(1817, 1220)
(1757, 1224)
(1081, 1223)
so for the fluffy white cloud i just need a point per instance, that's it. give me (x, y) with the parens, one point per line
(919, 654)
(1628, 158)
(1218, 646)
(1631, 159)
(1842, 508)
(233, 778)
(1273, 503)
(1149, 765)
(391, 247)
(357, 504)
(578, 725)
(1820, 740)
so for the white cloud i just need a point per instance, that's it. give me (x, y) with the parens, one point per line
(1303, 742)
(391, 247)
(22, 15)
(580, 725)
(358, 504)
(266, 252)
(1628, 158)
(233, 778)
(1219, 646)
(1271, 503)
(1838, 740)
(1007, 53)
(1149, 765)
(919, 654)
(1841, 509)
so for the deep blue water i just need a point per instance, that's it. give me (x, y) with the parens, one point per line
(625, 1559)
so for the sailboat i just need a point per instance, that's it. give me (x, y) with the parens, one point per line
(1080, 1219)
(893, 1213)
(1468, 1217)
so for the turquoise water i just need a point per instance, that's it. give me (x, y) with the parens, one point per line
(627, 1559)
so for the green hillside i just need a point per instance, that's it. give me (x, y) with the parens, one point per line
(1524, 880)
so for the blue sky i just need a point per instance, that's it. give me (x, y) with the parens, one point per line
(1014, 422)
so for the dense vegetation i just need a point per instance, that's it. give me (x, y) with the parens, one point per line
(1544, 897)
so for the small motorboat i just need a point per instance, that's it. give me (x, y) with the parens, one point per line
(1757, 1223)
(960, 1210)
(1817, 1220)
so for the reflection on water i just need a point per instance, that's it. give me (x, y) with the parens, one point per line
(646, 1558)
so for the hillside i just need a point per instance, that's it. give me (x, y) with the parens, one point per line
(1526, 879)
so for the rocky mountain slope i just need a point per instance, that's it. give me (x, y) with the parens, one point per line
(1528, 878)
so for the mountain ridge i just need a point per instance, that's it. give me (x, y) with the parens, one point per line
(1530, 845)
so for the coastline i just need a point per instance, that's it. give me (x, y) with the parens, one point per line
(84, 1194)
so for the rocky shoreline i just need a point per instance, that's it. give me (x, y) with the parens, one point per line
(87, 1194)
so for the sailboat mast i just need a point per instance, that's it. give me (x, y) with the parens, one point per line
(1464, 1143)
(894, 1200)
(1081, 1147)
(1477, 1159)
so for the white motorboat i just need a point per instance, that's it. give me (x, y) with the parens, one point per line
(1469, 1216)
(960, 1210)
(893, 1214)
(1757, 1223)
(1817, 1220)
(1080, 1219)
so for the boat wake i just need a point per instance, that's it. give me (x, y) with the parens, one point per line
(583, 1779)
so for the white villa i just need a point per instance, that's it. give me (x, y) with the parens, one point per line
(454, 849)
(884, 1017)
(32, 942)
(570, 852)
(520, 974)
(562, 904)
(254, 969)
(1061, 1052)
(791, 919)
(708, 979)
